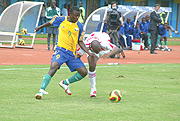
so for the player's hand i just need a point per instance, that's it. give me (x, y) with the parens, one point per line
(78, 55)
(92, 54)
(36, 29)
(105, 56)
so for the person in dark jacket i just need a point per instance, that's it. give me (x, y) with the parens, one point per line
(154, 27)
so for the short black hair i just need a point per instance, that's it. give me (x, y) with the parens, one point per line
(143, 18)
(65, 5)
(74, 8)
(114, 2)
(157, 5)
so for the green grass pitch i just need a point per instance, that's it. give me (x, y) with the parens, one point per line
(150, 92)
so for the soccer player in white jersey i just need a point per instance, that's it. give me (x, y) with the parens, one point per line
(99, 44)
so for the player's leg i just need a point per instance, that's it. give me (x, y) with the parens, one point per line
(165, 41)
(153, 40)
(49, 31)
(92, 74)
(55, 29)
(54, 40)
(74, 65)
(149, 39)
(48, 41)
(161, 43)
(58, 59)
(47, 78)
(81, 73)
(146, 41)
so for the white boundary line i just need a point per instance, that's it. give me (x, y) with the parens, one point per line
(98, 66)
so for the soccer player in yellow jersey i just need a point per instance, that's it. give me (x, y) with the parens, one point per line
(70, 33)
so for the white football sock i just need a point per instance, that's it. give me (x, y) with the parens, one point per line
(92, 80)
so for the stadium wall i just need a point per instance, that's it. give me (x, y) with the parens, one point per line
(172, 16)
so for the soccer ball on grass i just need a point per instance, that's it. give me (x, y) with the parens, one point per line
(115, 95)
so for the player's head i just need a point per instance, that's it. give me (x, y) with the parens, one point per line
(147, 17)
(96, 46)
(114, 5)
(123, 18)
(156, 7)
(137, 24)
(80, 4)
(165, 25)
(128, 20)
(65, 5)
(144, 20)
(74, 14)
(53, 4)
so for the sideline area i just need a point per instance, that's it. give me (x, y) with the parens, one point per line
(40, 55)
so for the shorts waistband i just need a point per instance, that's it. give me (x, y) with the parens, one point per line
(62, 48)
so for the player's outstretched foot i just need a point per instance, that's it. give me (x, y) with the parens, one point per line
(167, 49)
(93, 94)
(39, 95)
(65, 87)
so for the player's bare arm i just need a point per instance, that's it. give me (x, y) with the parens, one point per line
(42, 26)
(114, 51)
(82, 45)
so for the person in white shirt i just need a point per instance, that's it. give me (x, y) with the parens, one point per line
(64, 10)
(99, 44)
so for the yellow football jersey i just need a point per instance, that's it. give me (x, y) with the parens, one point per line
(68, 33)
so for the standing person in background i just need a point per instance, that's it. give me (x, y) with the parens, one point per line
(82, 14)
(50, 13)
(154, 27)
(128, 30)
(69, 6)
(43, 16)
(64, 10)
(149, 35)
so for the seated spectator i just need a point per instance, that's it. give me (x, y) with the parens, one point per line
(143, 34)
(148, 33)
(132, 22)
(122, 37)
(128, 30)
(137, 31)
(162, 33)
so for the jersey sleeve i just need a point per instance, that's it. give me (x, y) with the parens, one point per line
(81, 31)
(56, 21)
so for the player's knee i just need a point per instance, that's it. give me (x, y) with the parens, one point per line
(92, 68)
(53, 68)
(83, 72)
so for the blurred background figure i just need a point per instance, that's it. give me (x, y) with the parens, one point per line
(82, 14)
(43, 16)
(50, 13)
(64, 10)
